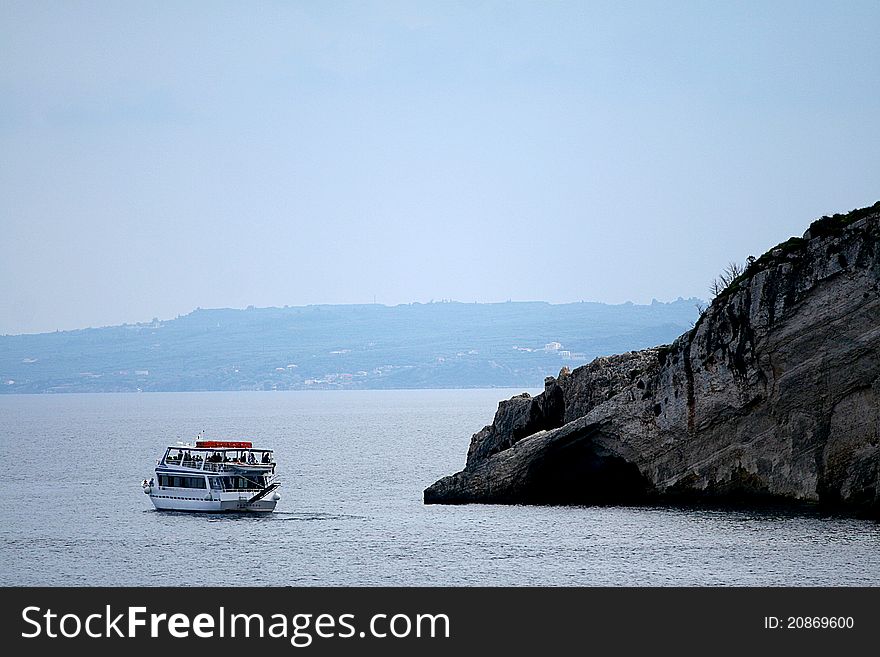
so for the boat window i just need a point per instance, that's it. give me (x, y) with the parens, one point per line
(251, 482)
(215, 483)
(174, 481)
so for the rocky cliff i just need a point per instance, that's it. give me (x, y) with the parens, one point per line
(774, 395)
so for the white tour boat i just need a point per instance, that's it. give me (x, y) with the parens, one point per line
(215, 475)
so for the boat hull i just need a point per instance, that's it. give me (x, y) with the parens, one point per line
(167, 501)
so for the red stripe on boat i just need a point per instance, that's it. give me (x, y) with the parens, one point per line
(240, 444)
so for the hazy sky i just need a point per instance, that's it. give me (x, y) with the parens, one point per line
(158, 156)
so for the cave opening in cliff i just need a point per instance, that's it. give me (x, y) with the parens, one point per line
(582, 472)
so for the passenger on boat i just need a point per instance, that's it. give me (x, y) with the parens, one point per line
(265, 457)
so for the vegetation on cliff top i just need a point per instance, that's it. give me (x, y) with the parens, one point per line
(825, 226)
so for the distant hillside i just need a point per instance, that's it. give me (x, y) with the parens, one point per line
(435, 345)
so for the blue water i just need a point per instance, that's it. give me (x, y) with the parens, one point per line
(354, 465)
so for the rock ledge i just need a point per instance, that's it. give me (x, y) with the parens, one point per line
(774, 395)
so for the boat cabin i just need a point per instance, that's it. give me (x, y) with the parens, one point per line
(240, 482)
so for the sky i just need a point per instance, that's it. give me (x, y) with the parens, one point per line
(158, 157)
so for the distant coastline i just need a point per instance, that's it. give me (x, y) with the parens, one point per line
(440, 345)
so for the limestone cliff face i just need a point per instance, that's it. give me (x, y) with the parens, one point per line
(775, 394)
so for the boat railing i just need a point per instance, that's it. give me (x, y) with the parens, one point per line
(185, 463)
(214, 466)
(228, 466)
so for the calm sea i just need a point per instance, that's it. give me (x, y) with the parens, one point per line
(354, 465)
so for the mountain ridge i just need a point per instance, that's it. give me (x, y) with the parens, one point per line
(356, 346)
